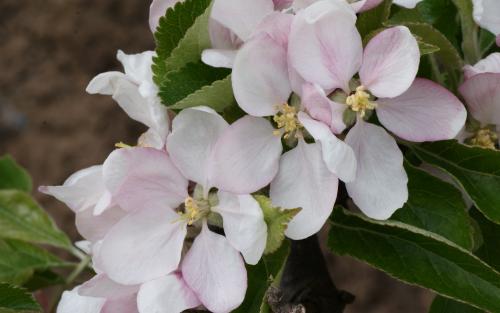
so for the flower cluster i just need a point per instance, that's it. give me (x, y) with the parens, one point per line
(171, 222)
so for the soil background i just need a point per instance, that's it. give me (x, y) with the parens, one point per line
(49, 51)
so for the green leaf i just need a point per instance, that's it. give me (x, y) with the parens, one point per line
(470, 44)
(14, 299)
(417, 257)
(19, 260)
(373, 19)
(489, 251)
(21, 218)
(178, 85)
(42, 279)
(477, 170)
(277, 220)
(486, 41)
(436, 206)
(445, 305)
(12, 176)
(218, 96)
(171, 30)
(260, 278)
(426, 48)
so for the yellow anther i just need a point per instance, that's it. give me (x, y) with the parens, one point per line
(360, 101)
(286, 121)
(192, 213)
(122, 145)
(485, 138)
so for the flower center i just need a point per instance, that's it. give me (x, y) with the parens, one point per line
(287, 121)
(193, 211)
(360, 102)
(485, 138)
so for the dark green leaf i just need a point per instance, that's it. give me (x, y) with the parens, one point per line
(373, 19)
(218, 96)
(260, 277)
(445, 305)
(486, 41)
(19, 260)
(43, 279)
(21, 218)
(436, 206)
(12, 176)
(489, 251)
(470, 44)
(178, 85)
(476, 169)
(172, 29)
(277, 220)
(13, 299)
(417, 257)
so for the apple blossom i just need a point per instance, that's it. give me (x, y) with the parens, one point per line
(490, 64)
(357, 5)
(482, 97)
(136, 94)
(486, 15)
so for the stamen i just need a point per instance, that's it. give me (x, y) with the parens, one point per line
(485, 138)
(360, 101)
(122, 145)
(286, 121)
(192, 213)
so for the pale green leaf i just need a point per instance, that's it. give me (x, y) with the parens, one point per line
(12, 176)
(16, 300)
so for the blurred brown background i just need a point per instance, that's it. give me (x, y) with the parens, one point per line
(49, 51)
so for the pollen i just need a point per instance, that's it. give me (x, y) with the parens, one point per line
(192, 211)
(360, 102)
(287, 121)
(485, 138)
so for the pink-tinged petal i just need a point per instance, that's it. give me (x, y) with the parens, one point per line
(96, 257)
(219, 57)
(244, 224)
(104, 84)
(144, 178)
(482, 96)
(158, 9)
(365, 5)
(152, 139)
(144, 245)
(490, 64)
(425, 112)
(323, 109)
(302, 4)
(390, 62)
(81, 191)
(168, 294)
(221, 37)
(95, 227)
(409, 4)
(260, 76)
(296, 81)
(337, 155)
(72, 302)
(324, 45)
(241, 16)
(247, 156)
(282, 4)
(101, 286)
(126, 304)
(192, 142)
(486, 15)
(304, 181)
(277, 25)
(215, 271)
(380, 187)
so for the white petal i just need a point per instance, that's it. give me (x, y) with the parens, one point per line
(490, 64)
(192, 141)
(324, 46)
(80, 191)
(215, 271)
(222, 37)
(126, 304)
(72, 302)
(482, 96)
(103, 287)
(219, 58)
(486, 15)
(145, 245)
(93, 227)
(246, 156)
(380, 187)
(409, 4)
(137, 66)
(105, 83)
(143, 178)
(338, 156)
(244, 224)
(241, 16)
(158, 9)
(304, 181)
(168, 294)
(425, 112)
(390, 62)
(260, 76)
